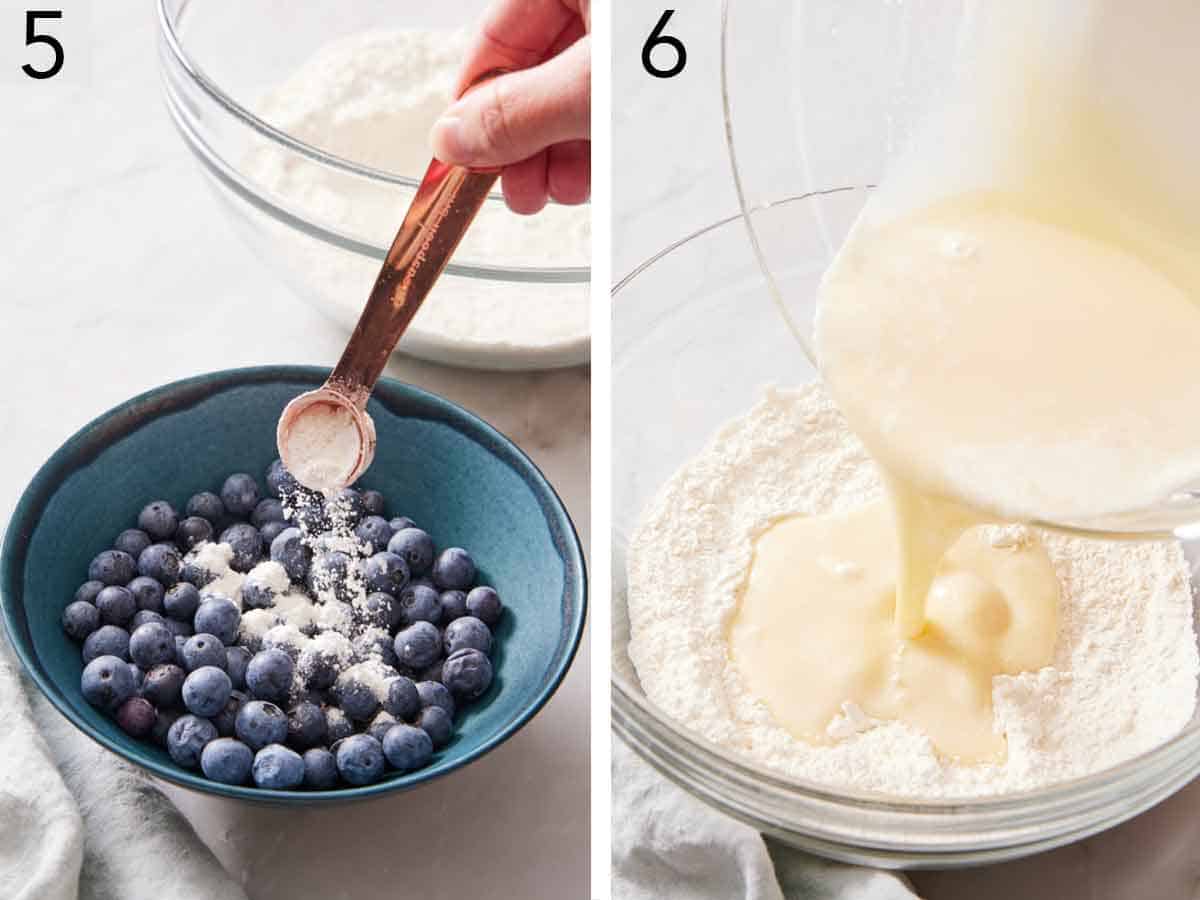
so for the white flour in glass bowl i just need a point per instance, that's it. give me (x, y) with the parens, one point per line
(372, 98)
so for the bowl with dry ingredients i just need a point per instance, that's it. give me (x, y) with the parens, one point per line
(314, 139)
(183, 602)
(716, 454)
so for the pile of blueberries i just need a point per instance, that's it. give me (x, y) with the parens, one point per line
(170, 662)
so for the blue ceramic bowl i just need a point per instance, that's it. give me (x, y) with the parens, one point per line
(463, 481)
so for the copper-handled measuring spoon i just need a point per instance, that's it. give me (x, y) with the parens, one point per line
(445, 204)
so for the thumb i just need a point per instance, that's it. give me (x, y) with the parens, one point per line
(515, 116)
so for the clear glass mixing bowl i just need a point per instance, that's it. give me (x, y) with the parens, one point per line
(217, 62)
(695, 338)
(819, 97)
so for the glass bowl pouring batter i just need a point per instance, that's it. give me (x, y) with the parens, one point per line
(780, 805)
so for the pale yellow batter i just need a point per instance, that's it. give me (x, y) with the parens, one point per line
(815, 629)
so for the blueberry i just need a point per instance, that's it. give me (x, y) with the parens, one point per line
(337, 725)
(206, 691)
(112, 567)
(163, 685)
(375, 643)
(285, 637)
(453, 570)
(434, 672)
(161, 562)
(187, 739)
(151, 645)
(420, 603)
(467, 673)
(247, 546)
(268, 510)
(320, 769)
(180, 643)
(306, 510)
(107, 640)
(438, 724)
(290, 551)
(329, 573)
(467, 632)
(192, 532)
(378, 610)
(132, 541)
(386, 572)
(484, 604)
(193, 573)
(306, 725)
(319, 667)
(355, 697)
(373, 503)
(401, 522)
(226, 720)
(162, 725)
(80, 619)
(277, 767)
(269, 675)
(375, 532)
(418, 645)
(147, 593)
(407, 748)
(179, 629)
(218, 616)
(106, 682)
(89, 591)
(226, 760)
(415, 546)
(380, 724)
(181, 601)
(116, 605)
(280, 481)
(159, 520)
(203, 649)
(136, 717)
(346, 508)
(237, 661)
(272, 530)
(260, 723)
(359, 759)
(453, 605)
(433, 693)
(257, 593)
(144, 617)
(139, 677)
(240, 494)
(206, 505)
(402, 701)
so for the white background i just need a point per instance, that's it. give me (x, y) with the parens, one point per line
(119, 273)
(671, 176)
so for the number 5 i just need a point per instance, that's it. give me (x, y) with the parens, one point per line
(32, 37)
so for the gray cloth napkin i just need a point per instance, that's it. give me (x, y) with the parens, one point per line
(78, 822)
(669, 846)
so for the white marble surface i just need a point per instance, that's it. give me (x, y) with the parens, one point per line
(671, 177)
(120, 272)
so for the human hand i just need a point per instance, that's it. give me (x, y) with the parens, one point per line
(534, 123)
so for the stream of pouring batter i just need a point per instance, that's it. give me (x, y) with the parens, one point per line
(1012, 330)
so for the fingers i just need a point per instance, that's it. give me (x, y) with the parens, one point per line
(569, 172)
(515, 116)
(525, 185)
(517, 34)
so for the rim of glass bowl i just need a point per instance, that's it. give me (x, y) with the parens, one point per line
(965, 828)
(170, 14)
